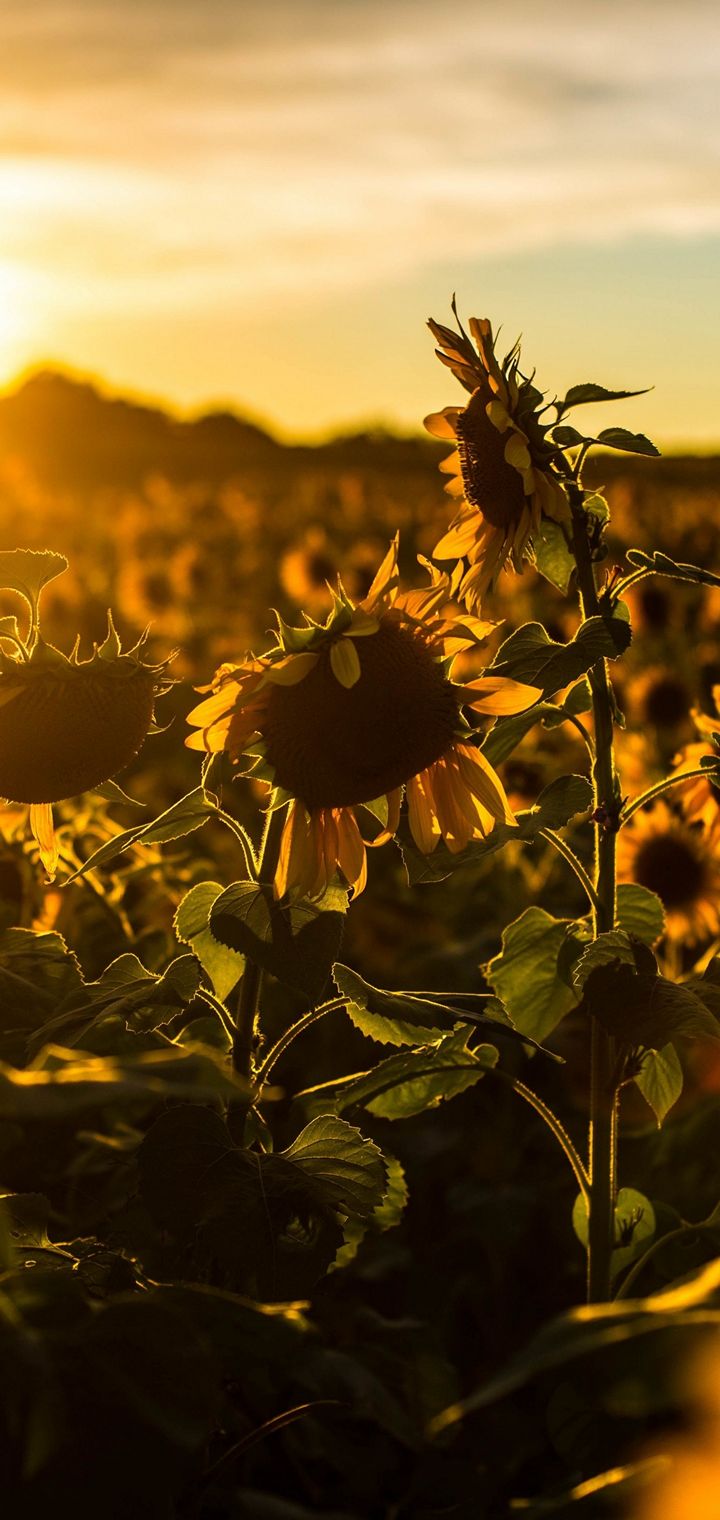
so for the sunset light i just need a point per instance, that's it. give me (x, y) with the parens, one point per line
(359, 759)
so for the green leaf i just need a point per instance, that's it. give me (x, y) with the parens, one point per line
(530, 655)
(222, 965)
(525, 973)
(411, 1081)
(345, 1169)
(605, 1489)
(661, 564)
(627, 443)
(37, 970)
(406, 1018)
(567, 437)
(126, 991)
(635, 1226)
(26, 571)
(557, 804)
(386, 1216)
(297, 943)
(640, 912)
(507, 733)
(660, 1080)
(553, 557)
(623, 991)
(190, 813)
(584, 395)
(62, 1085)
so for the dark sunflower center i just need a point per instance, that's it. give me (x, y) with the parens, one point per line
(60, 736)
(669, 865)
(666, 702)
(333, 746)
(491, 484)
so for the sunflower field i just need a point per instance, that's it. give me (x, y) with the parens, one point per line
(359, 963)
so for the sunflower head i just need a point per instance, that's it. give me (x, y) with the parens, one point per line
(66, 725)
(501, 466)
(679, 863)
(345, 713)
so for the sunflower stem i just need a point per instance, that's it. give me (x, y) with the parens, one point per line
(568, 854)
(663, 786)
(550, 1118)
(602, 1167)
(286, 1039)
(244, 1038)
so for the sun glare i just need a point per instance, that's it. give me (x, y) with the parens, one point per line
(17, 323)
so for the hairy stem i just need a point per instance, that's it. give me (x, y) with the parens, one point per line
(603, 1069)
(243, 1049)
(553, 1123)
(286, 1039)
(559, 844)
(663, 786)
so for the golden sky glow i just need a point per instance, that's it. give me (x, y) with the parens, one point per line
(261, 203)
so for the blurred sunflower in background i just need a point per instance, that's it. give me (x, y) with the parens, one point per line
(66, 725)
(679, 862)
(500, 466)
(349, 712)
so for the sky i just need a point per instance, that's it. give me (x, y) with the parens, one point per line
(260, 202)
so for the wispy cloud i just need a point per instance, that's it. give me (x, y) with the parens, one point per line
(276, 154)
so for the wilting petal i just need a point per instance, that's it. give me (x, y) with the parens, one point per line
(298, 856)
(394, 800)
(43, 829)
(421, 813)
(351, 850)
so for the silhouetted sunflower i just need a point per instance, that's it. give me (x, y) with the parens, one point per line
(349, 712)
(68, 725)
(677, 861)
(501, 462)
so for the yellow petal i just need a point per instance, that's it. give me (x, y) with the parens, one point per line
(386, 581)
(484, 783)
(499, 695)
(442, 424)
(43, 829)
(345, 663)
(291, 671)
(421, 813)
(451, 465)
(351, 851)
(517, 452)
(214, 707)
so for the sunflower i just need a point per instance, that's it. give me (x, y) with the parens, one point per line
(500, 466)
(67, 725)
(677, 861)
(349, 712)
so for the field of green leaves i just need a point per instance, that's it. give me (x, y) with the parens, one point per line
(308, 1005)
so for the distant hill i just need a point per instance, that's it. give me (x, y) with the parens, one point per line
(73, 435)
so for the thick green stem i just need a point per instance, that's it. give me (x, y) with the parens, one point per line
(247, 1006)
(603, 1080)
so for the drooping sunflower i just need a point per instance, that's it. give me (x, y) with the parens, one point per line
(349, 712)
(66, 725)
(500, 466)
(679, 862)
